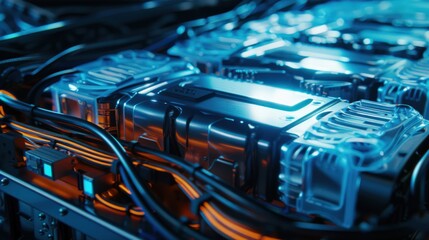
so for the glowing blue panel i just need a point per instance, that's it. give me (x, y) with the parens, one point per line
(87, 187)
(47, 170)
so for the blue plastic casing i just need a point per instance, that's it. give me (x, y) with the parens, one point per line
(208, 50)
(408, 85)
(91, 94)
(321, 171)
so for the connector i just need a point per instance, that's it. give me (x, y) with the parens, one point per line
(12, 147)
(96, 181)
(49, 162)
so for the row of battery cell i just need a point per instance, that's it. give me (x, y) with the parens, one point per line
(276, 144)
(254, 128)
(334, 51)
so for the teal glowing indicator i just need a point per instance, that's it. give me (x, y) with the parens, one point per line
(87, 187)
(47, 170)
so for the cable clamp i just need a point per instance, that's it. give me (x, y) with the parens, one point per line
(196, 168)
(116, 164)
(32, 110)
(197, 202)
(53, 143)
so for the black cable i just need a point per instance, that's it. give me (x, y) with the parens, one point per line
(142, 194)
(419, 183)
(9, 52)
(20, 60)
(38, 131)
(38, 72)
(155, 213)
(140, 202)
(233, 207)
(166, 41)
(281, 223)
(42, 69)
(203, 176)
(37, 89)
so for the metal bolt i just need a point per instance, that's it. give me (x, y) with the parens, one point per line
(45, 225)
(42, 216)
(63, 211)
(4, 181)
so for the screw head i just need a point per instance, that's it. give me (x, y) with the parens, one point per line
(4, 181)
(63, 211)
(45, 225)
(42, 216)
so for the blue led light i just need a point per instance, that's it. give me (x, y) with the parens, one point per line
(87, 187)
(47, 170)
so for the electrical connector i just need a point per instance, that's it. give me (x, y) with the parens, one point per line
(49, 162)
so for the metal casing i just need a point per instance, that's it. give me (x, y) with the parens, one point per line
(232, 128)
(318, 70)
(91, 94)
